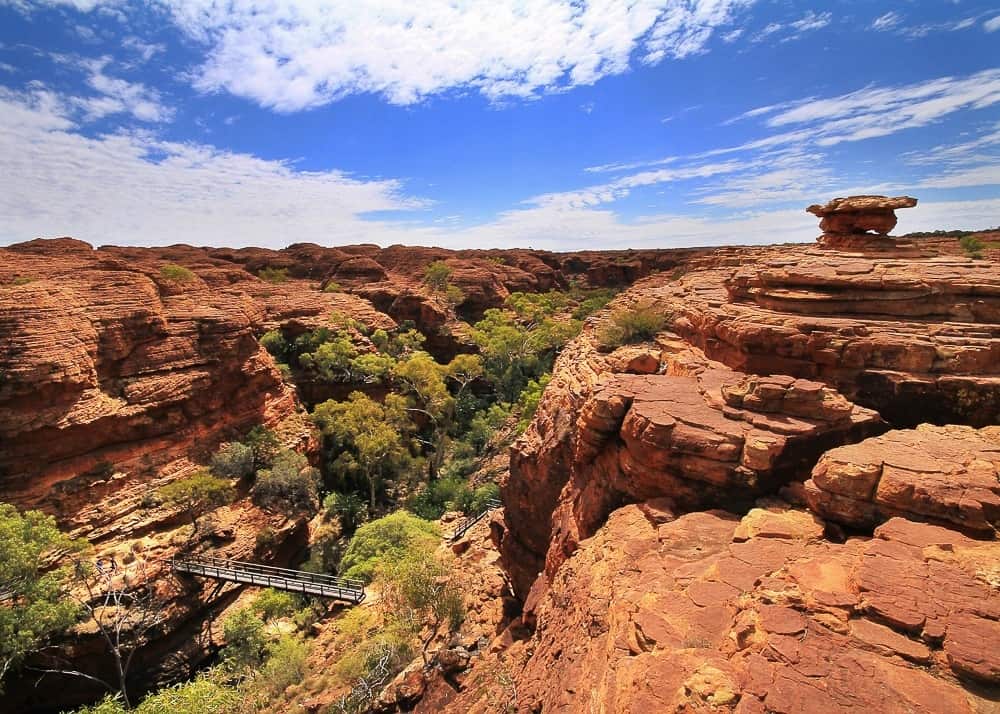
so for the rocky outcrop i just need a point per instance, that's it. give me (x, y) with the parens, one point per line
(710, 612)
(845, 221)
(943, 474)
(769, 359)
(700, 436)
(915, 339)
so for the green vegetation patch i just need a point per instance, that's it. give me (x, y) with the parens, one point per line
(177, 273)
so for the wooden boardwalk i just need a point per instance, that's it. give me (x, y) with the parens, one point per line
(466, 523)
(268, 576)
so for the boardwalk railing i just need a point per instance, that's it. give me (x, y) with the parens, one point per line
(466, 523)
(268, 576)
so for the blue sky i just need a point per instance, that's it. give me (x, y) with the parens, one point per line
(543, 123)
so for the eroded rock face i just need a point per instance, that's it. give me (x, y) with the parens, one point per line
(700, 436)
(769, 359)
(711, 613)
(944, 474)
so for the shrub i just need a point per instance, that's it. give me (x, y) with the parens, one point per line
(387, 538)
(21, 280)
(275, 343)
(454, 295)
(177, 273)
(627, 326)
(245, 641)
(272, 604)
(332, 287)
(265, 445)
(486, 423)
(273, 275)
(482, 495)
(201, 696)
(972, 246)
(438, 496)
(437, 275)
(286, 664)
(290, 484)
(234, 460)
(417, 590)
(529, 399)
(267, 538)
(349, 508)
(393, 645)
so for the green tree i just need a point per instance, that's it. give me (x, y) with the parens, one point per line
(290, 484)
(331, 360)
(437, 275)
(371, 439)
(275, 343)
(33, 602)
(423, 380)
(347, 507)
(265, 445)
(197, 494)
(385, 539)
(246, 642)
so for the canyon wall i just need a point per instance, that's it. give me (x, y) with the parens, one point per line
(786, 501)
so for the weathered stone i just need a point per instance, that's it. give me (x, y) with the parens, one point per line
(944, 474)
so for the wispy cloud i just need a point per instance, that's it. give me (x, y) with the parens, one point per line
(874, 111)
(886, 22)
(992, 24)
(895, 23)
(145, 50)
(788, 31)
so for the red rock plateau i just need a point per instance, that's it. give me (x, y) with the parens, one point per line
(787, 501)
(747, 513)
(117, 377)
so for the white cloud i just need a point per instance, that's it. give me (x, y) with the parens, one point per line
(145, 50)
(119, 96)
(887, 21)
(873, 111)
(293, 54)
(812, 21)
(992, 25)
(137, 189)
(786, 32)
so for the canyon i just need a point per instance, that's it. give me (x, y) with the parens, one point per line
(786, 500)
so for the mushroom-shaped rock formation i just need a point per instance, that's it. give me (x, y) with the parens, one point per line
(847, 222)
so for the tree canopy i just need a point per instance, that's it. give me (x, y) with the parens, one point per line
(33, 602)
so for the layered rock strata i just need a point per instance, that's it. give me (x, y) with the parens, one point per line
(943, 474)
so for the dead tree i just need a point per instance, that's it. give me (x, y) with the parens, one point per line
(120, 601)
